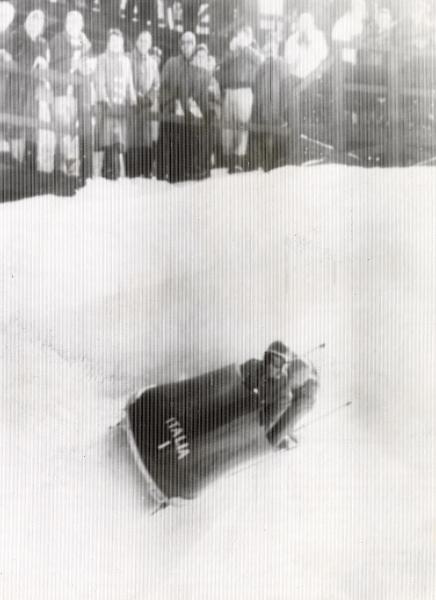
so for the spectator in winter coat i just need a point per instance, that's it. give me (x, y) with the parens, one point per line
(285, 386)
(7, 15)
(184, 93)
(203, 60)
(236, 76)
(68, 53)
(375, 47)
(143, 132)
(34, 92)
(116, 95)
(30, 47)
(268, 149)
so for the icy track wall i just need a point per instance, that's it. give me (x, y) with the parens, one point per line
(142, 283)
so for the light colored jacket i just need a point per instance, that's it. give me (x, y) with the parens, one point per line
(114, 87)
(304, 54)
(114, 80)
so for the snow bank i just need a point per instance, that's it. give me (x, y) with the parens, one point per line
(137, 282)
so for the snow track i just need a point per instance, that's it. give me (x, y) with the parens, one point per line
(133, 283)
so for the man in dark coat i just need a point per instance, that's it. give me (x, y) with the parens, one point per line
(236, 75)
(286, 386)
(142, 131)
(184, 95)
(268, 148)
(208, 133)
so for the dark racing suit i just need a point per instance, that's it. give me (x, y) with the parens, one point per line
(284, 401)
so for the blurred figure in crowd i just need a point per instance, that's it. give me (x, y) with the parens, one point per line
(414, 67)
(348, 34)
(268, 149)
(351, 24)
(198, 113)
(7, 15)
(34, 92)
(156, 53)
(184, 95)
(143, 132)
(201, 56)
(305, 51)
(416, 29)
(203, 60)
(376, 43)
(236, 76)
(115, 94)
(68, 52)
(384, 19)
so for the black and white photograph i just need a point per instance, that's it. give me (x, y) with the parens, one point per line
(217, 300)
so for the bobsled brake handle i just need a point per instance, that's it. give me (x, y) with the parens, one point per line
(314, 349)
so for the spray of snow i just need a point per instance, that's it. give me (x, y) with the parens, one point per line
(139, 282)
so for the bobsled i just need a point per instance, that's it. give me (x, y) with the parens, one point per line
(186, 434)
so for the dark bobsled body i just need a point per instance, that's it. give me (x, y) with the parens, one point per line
(186, 434)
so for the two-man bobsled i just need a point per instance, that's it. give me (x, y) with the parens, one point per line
(186, 434)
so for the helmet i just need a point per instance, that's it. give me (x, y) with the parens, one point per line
(279, 349)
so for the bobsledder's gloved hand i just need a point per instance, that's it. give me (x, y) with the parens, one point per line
(287, 443)
(284, 444)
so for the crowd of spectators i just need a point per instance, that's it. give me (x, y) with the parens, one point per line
(178, 118)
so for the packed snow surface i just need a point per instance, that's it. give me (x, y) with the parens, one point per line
(138, 282)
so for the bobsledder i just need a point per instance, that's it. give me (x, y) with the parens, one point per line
(186, 434)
